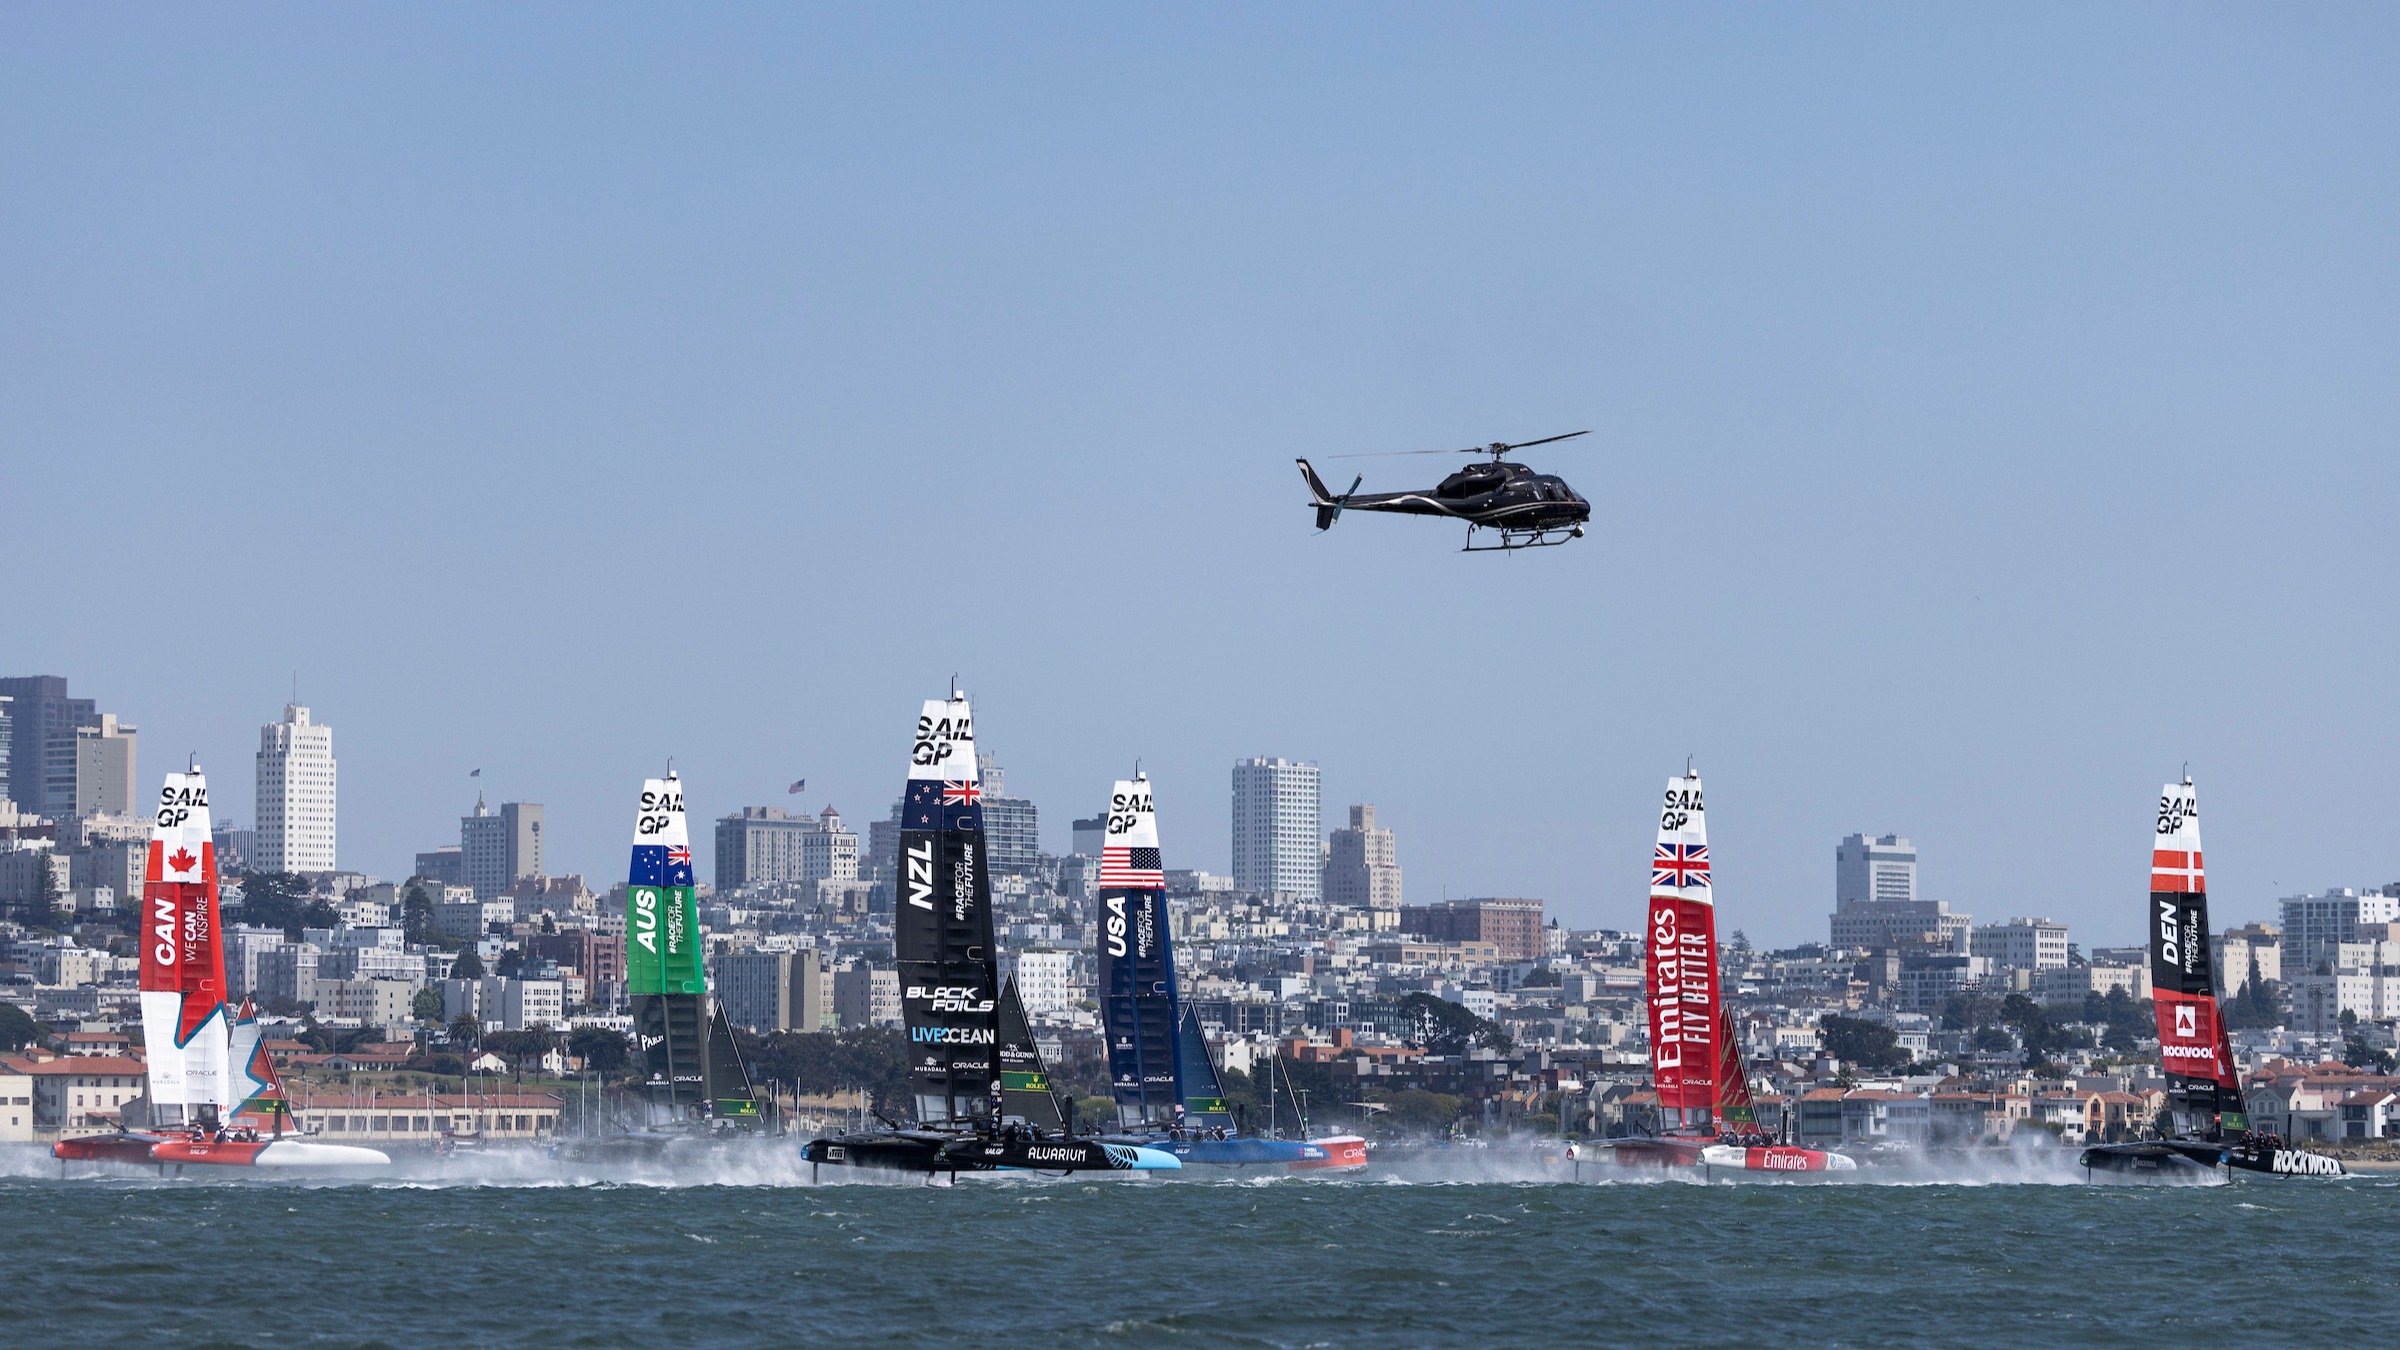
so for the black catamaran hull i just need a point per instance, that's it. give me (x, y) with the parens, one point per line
(930, 1151)
(2197, 1157)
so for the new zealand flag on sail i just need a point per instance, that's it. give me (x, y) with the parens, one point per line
(660, 865)
(935, 805)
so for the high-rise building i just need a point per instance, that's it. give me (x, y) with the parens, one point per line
(1277, 847)
(1866, 869)
(774, 991)
(295, 813)
(7, 739)
(495, 850)
(42, 723)
(1012, 837)
(104, 769)
(1875, 902)
(1091, 835)
(864, 996)
(767, 844)
(1512, 925)
(1362, 864)
(2022, 944)
(236, 847)
(882, 862)
(2314, 925)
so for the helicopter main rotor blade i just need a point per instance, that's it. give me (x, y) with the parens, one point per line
(1385, 454)
(1547, 439)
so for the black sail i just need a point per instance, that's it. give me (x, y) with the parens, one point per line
(730, 1093)
(1024, 1079)
(942, 924)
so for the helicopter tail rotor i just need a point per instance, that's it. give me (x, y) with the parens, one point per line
(1329, 506)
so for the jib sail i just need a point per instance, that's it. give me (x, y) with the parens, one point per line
(1137, 963)
(257, 1098)
(2202, 1080)
(664, 976)
(185, 1035)
(942, 925)
(1204, 1104)
(1024, 1080)
(1734, 1103)
(730, 1093)
(1680, 939)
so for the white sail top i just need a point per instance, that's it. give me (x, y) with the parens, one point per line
(2175, 854)
(1129, 850)
(661, 820)
(1679, 863)
(945, 745)
(179, 833)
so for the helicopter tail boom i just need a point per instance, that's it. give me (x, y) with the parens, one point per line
(1329, 506)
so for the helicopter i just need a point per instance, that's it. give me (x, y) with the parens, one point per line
(1526, 509)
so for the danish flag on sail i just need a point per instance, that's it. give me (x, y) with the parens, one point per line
(2192, 1044)
(1680, 940)
(184, 1027)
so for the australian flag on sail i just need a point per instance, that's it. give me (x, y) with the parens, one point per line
(1680, 866)
(660, 865)
(935, 805)
(1132, 868)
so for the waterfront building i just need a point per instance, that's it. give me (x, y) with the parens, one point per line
(295, 782)
(495, 850)
(1362, 864)
(1277, 843)
(2022, 944)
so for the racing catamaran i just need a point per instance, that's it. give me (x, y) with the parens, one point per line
(209, 1076)
(695, 1087)
(1167, 1091)
(1705, 1114)
(949, 977)
(2210, 1120)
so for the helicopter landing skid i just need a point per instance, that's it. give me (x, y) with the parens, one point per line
(1512, 540)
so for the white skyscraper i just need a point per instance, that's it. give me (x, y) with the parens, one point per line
(295, 794)
(1277, 847)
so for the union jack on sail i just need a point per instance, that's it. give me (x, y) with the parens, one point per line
(1679, 865)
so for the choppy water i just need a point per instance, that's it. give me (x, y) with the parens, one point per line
(509, 1251)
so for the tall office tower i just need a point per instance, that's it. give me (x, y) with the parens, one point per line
(42, 723)
(1873, 869)
(295, 810)
(104, 768)
(7, 737)
(1276, 844)
(1362, 864)
(1012, 836)
(495, 850)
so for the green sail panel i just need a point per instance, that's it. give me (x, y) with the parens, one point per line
(662, 941)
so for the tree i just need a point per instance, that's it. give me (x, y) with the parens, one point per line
(1855, 1040)
(510, 963)
(465, 1030)
(416, 915)
(1418, 1111)
(2358, 1055)
(1446, 1028)
(824, 1062)
(468, 966)
(2348, 1019)
(601, 1050)
(42, 910)
(278, 900)
(427, 1005)
(17, 1027)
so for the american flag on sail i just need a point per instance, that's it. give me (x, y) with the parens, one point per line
(1132, 868)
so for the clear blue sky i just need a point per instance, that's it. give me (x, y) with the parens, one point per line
(1993, 410)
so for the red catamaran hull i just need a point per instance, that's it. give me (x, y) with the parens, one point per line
(1343, 1153)
(118, 1148)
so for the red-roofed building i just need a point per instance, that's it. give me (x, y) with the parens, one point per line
(80, 1094)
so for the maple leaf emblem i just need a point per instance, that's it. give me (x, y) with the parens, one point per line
(182, 860)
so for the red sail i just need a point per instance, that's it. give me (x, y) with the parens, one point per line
(182, 952)
(1680, 939)
(1734, 1103)
(2192, 1045)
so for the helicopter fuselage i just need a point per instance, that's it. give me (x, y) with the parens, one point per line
(1498, 495)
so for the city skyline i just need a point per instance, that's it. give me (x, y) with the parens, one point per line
(1984, 425)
